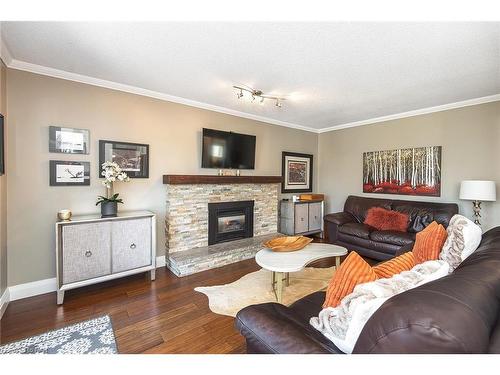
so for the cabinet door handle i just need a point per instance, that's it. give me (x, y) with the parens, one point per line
(301, 219)
(88, 253)
(133, 246)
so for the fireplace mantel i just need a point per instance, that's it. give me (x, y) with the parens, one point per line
(179, 179)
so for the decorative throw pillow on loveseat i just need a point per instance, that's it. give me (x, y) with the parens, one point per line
(463, 239)
(420, 218)
(382, 219)
(404, 262)
(353, 271)
(429, 242)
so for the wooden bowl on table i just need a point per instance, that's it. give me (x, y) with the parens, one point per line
(287, 243)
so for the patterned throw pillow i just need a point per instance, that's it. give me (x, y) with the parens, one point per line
(353, 271)
(463, 239)
(429, 242)
(404, 262)
(382, 219)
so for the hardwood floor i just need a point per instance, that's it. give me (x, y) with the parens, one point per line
(165, 316)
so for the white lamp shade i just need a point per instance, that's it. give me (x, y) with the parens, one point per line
(476, 190)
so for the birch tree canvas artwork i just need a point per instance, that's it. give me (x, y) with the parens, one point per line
(409, 171)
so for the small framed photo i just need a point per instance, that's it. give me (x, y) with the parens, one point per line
(2, 146)
(133, 158)
(296, 172)
(68, 140)
(69, 173)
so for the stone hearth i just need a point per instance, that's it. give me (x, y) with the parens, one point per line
(184, 263)
(186, 224)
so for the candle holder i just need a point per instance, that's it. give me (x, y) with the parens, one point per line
(64, 215)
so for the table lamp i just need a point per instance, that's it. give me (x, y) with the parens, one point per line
(478, 191)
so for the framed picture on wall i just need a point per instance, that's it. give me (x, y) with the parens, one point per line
(406, 171)
(2, 146)
(68, 140)
(296, 172)
(133, 158)
(69, 173)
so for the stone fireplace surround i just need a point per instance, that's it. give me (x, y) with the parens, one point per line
(186, 220)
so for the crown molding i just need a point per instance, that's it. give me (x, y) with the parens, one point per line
(62, 74)
(5, 54)
(422, 111)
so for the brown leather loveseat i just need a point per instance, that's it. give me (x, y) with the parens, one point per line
(459, 313)
(347, 229)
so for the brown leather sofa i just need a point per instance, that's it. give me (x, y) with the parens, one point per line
(459, 313)
(347, 229)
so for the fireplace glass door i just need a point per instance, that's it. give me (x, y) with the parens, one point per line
(229, 221)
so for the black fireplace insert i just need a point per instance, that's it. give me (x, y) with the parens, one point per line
(229, 221)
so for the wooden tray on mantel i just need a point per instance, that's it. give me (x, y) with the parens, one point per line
(287, 243)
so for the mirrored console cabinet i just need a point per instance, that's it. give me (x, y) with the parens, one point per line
(301, 217)
(91, 249)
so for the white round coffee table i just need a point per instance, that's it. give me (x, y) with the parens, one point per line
(282, 263)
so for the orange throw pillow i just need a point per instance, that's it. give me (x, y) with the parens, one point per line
(404, 262)
(353, 271)
(382, 219)
(429, 242)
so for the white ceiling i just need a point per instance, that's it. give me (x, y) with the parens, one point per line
(333, 73)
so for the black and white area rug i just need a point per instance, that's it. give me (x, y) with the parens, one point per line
(93, 336)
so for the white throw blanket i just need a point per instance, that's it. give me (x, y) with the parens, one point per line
(343, 324)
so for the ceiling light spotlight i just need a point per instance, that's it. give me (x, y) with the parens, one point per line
(257, 94)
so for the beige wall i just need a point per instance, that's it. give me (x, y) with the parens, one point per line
(173, 132)
(3, 188)
(470, 138)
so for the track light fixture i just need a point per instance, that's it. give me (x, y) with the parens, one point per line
(257, 94)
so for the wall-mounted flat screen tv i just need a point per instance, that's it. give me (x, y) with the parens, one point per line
(227, 150)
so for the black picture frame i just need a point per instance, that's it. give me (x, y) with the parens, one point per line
(299, 159)
(2, 146)
(139, 170)
(56, 180)
(56, 147)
